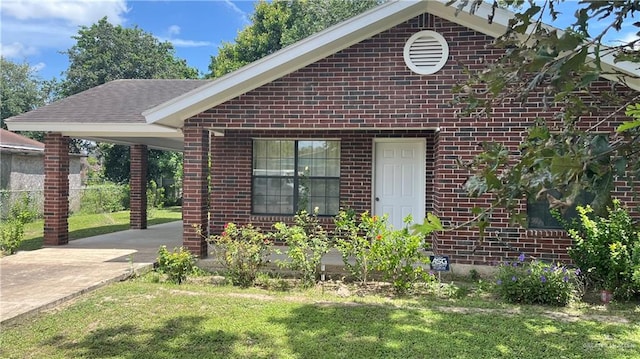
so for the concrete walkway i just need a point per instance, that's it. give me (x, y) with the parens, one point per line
(34, 281)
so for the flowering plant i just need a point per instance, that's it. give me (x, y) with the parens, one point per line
(242, 250)
(400, 257)
(355, 238)
(536, 282)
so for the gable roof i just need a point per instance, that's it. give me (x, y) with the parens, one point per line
(334, 39)
(13, 142)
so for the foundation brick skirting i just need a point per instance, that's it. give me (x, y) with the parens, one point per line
(138, 186)
(56, 189)
(361, 93)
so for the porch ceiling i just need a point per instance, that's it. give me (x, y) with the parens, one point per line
(111, 112)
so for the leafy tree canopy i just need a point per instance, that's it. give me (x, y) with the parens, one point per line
(277, 24)
(104, 52)
(558, 66)
(21, 90)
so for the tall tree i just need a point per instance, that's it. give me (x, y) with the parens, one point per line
(20, 89)
(104, 52)
(277, 24)
(559, 65)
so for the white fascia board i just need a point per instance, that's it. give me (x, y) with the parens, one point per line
(100, 129)
(285, 61)
(220, 131)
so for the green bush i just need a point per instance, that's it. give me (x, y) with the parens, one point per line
(155, 195)
(177, 265)
(105, 198)
(607, 250)
(242, 251)
(536, 282)
(354, 240)
(12, 229)
(11, 235)
(399, 255)
(307, 242)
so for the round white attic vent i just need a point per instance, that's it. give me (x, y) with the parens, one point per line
(426, 52)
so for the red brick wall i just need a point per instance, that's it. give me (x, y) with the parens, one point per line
(56, 189)
(138, 185)
(359, 93)
(231, 168)
(195, 188)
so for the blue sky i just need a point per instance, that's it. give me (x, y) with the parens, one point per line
(36, 31)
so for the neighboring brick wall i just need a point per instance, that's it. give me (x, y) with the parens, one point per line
(138, 185)
(56, 189)
(361, 91)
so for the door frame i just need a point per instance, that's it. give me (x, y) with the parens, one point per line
(423, 179)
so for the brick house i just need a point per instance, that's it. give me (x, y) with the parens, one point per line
(351, 116)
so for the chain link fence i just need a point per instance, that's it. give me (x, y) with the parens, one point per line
(89, 199)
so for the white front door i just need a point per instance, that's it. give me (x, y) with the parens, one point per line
(399, 188)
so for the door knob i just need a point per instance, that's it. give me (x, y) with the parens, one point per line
(377, 199)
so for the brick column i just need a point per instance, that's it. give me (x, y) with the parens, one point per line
(138, 187)
(195, 189)
(56, 189)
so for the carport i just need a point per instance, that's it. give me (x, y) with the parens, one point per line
(115, 112)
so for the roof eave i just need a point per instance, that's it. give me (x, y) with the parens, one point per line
(82, 130)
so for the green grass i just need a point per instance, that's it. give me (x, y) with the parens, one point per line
(140, 319)
(87, 225)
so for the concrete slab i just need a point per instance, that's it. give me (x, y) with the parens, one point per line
(37, 280)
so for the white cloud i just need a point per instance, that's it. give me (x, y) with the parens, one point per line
(39, 66)
(244, 17)
(32, 27)
(17, 50)
(185, 43)
(174, 30)
(74, 12)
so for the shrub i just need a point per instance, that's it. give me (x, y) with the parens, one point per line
(109, 197)
(177, 265)
(398, 255)
(155, 195)
(11, 235)
(25, 208)
(607, 250)
(242, 251)
(536, 282)
(307, 242)
(12, 229)
(355, 239)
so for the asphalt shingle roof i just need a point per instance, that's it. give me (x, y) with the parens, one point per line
(11, 140)
(119, 101)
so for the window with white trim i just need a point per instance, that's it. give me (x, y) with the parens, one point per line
(294, 175)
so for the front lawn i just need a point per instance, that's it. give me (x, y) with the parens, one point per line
(87, 225)
(142, 319)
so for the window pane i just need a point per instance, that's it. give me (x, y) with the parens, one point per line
(259, 149)
(276, 176)
(333, 168)
(305, 149)
(539, 215)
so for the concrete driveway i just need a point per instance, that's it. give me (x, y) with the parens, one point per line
(34, 281)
